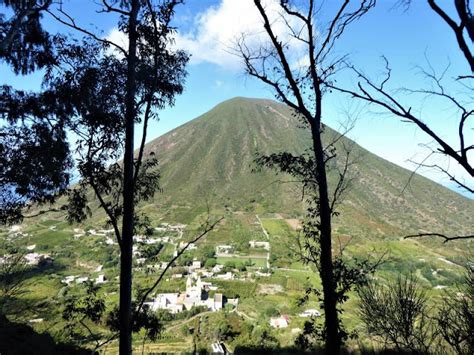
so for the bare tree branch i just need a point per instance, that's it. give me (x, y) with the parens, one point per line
(70, 22)
(111, 8)
(445, 237)
(389, 102)
(466, 22)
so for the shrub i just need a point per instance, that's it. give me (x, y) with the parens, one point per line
(455, 318)
(397, 314)
(211, 262)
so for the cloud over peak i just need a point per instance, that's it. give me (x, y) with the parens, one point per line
(214, 32)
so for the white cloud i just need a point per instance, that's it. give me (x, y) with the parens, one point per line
(215, 30)
(302, 62)
(118, 37)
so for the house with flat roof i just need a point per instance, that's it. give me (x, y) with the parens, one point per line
(280, 322)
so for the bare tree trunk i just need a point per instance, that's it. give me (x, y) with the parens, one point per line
(271, 64)
(125, 312)
(326, 271)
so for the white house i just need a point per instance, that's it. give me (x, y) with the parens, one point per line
(310, 313)
(177, 227)
(106, 231)
(151, 241)
(255, 244)
(217, 268)
(191, 246)
(196, 264)
(169, 301)
(80, 280)
(68, 280)
(217, 348)
(196, 294)
(224, 249)
(15, 228)
(35, 258)
(217, 302)
(227, 276)
(94, 232)
(100, 279)
(279, 322)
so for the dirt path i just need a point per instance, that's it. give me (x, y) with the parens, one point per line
(268, 238)
(243, 315)
(288, 269)
(263, 229)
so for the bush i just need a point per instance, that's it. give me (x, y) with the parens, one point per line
(210, 263)
(456, 316)
(230, 265)
(272, 312)
(397, 314)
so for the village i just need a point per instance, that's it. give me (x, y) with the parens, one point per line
(198, 275)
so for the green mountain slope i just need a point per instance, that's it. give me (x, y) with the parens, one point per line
(211, 159)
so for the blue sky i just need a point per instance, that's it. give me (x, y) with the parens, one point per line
(406, 38)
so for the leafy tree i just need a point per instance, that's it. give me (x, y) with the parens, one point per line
(34, 153)
(229, 266)
(207, 252)
(84, 310)
(222, 330)
(150, 252)
(271, 312)
(13, 273)
(107, 89)
(24, 44)
(186, 259)
(264, 339)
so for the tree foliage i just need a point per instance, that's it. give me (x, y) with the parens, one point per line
(13, 274)
(24, 44)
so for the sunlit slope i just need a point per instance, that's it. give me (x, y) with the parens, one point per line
(211, 160)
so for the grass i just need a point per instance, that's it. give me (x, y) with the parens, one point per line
(210, 160)
(256, 262)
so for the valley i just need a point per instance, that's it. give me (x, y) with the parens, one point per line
(250, 261)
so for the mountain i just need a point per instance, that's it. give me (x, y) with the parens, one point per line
(207, 166)
(211, 160)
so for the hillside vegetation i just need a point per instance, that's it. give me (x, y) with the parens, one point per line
(208, 163)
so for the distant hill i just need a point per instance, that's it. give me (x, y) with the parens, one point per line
(211, 159)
